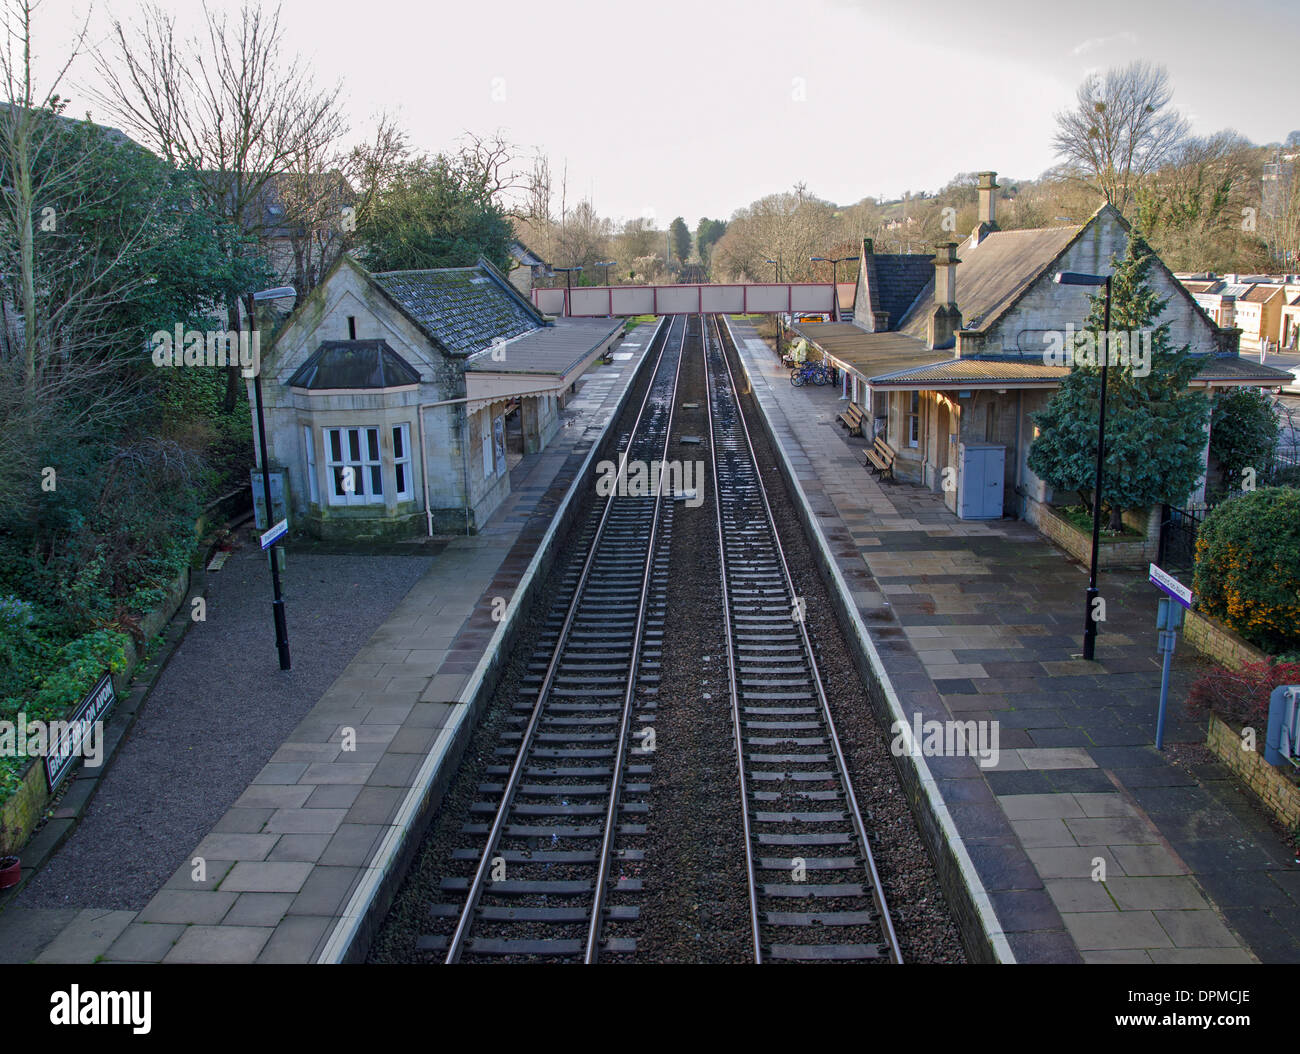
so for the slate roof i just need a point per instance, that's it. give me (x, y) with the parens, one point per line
(895, 280)
(525, 256)
(1235, 368)
(462, 308)
(993, 274)
(554, 351)
(1198, 287)
(353, 364)
(974, 371)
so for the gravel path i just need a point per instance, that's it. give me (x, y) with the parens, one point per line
(218, 712)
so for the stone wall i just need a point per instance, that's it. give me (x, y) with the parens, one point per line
(1079, 545)
(1278, 793)
(1211, 637)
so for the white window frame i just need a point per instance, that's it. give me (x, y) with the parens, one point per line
(401, 434)
(313, 483)
(489, 455)
(914, 420)
(364, 465)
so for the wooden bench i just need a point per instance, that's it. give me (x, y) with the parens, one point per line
(851, 418)
(880, 458)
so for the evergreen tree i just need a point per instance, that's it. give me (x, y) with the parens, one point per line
(681, 235)
(1155, 425)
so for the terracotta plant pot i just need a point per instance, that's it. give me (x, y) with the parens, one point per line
(10, 870)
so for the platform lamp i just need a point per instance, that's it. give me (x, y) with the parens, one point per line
(568, 284)
(777, 264)
(835, 284)
(1090, 614)
(607, 264)
(277, 605)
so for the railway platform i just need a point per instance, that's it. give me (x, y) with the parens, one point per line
(287, 873)
(979, 622)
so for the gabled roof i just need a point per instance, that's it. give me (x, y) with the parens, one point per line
(462, 308)
(1261, 294)
(353, 364)
(993, 274)
(895, 280)
(526, 257)
(1200, 288)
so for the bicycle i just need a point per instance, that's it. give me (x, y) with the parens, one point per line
(816, 372)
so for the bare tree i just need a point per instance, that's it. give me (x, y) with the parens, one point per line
(59, 291)
(1122, 127)
(225, 104)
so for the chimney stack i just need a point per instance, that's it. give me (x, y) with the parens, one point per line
(945, 319)
(987, 219)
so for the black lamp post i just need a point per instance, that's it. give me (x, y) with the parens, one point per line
(607, 264)
(834, 277)
(1090, 614)
(277, 605)
(568, 284)
(777, 264)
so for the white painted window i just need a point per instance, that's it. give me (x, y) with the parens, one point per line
(402, 462)
(489, 467)
(914, 421)
(309, 445)
(356, 471)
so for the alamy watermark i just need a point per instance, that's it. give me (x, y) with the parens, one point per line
(1071, 347)
(947, 739)
(213, 347)
(40, 739)
(641, 479)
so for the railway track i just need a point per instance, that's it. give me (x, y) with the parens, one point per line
(814, 892)
(572, 777)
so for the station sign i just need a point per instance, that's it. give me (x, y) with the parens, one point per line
(1169, 585)
(76, 731)
(269, 538)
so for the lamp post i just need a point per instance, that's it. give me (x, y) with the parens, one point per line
(1090, 614)
(777, 264)
(835, 263)
(607, 264)
(277, 605)
(568, 284)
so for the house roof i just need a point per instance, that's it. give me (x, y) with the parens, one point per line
(463, 308)
(867, 353)
(895, 280)
(993, 274)
(1014, 372)
(524, 255)
(1200, 287)
(353, 364)
(1235, 368)
(1262, 294)
(554, 351)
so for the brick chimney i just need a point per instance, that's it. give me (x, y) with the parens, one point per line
(987, 219)
(945, 319)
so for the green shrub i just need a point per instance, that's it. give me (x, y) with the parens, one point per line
(1244, 433)
(1248, 567)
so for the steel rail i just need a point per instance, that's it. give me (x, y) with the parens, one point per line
(456, 944)
(611, 815)
(732, 680)
(877, 890)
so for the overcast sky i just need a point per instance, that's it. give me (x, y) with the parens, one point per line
(697, 107)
